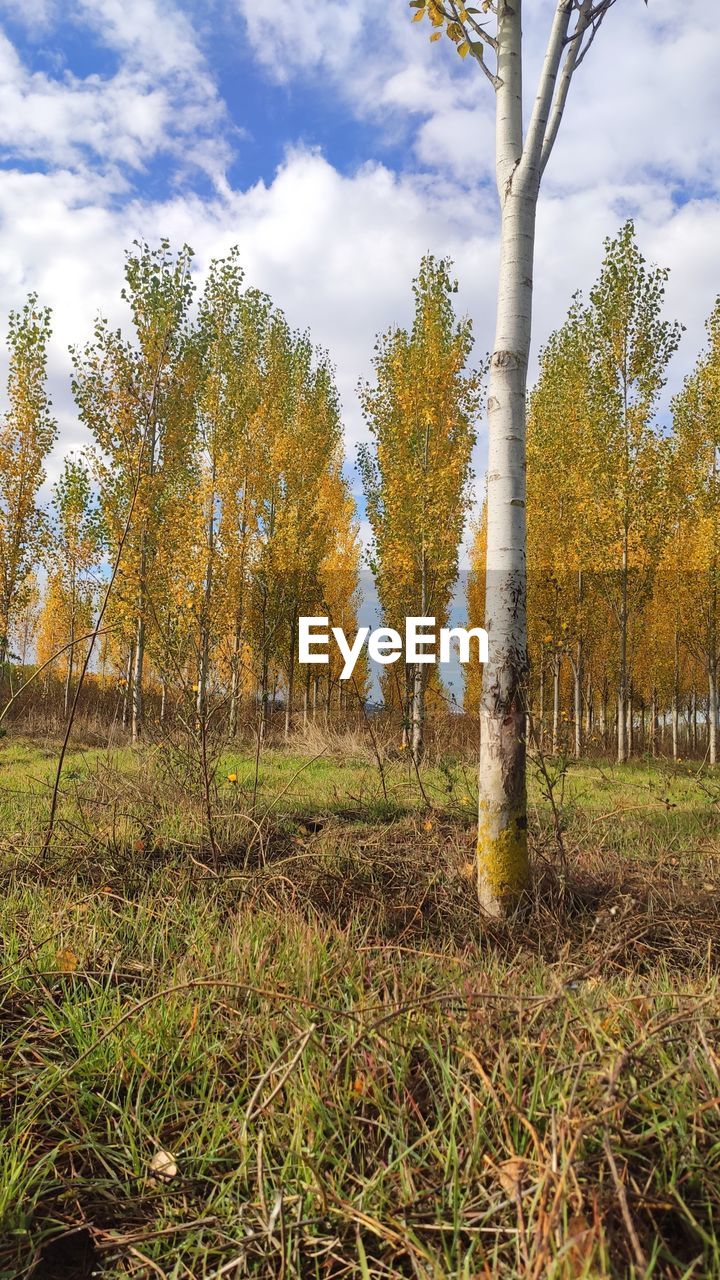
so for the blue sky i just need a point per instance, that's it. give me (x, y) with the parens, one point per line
(335, 145)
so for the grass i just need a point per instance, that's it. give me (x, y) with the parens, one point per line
(352, 1073)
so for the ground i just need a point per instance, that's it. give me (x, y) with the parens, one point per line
(253, 1023)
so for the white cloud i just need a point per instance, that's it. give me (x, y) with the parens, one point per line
(159, 98)
(336, 251)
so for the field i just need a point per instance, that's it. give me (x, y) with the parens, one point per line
(259, 1028)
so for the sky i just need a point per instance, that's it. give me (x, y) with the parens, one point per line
(335, 145)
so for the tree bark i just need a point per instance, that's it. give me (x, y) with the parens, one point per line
(503, 867)
(502, 864)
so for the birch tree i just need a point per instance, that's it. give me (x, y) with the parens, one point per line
(521, 156)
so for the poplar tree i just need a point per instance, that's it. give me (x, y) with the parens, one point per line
(137, 398)
(696, 418)
(521, 156)
(76, 549)
(630, 346)
(27, 434)
(421, 413)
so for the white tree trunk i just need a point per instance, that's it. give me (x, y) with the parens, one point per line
(503, 869)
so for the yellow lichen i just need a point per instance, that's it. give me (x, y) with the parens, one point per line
(502, 862)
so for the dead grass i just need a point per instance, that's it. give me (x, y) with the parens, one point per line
(355, 1074)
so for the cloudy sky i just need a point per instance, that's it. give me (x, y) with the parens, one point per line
(335, 145)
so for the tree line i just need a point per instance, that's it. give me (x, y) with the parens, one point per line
(623, 522)
(212, 509)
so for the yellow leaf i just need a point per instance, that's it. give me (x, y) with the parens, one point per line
(435, 36)
(66, 961)
(463, 49)
(418, 17)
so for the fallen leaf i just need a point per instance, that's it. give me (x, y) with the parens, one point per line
(66, 961)
(510, 1175)
(163, 1166)
(581, 1239)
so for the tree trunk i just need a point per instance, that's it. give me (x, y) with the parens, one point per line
(291, 679)
(676, 698)
(418, 713)
(127, 693)
(555, 743)
(417, 745)
(71, 650)
(622, 749)
(204, 658)
(712, 712)
(503, 867)
(541, 713)
(589, 718)
(578, 700)
(137, 681)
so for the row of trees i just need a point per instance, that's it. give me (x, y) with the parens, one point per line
(211, 510)
(623, 524)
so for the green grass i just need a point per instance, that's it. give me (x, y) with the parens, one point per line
(355, 1076)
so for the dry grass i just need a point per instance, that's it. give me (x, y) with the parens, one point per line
(354, 1073)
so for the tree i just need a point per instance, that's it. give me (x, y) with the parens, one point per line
(137, 398)
(421, 413)
(77, 545)
(27, 434)
(559, 505)
(696, 417)
(630, 346)
(520, 160)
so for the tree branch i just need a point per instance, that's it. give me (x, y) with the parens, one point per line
(533, 146)
(590, 17)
